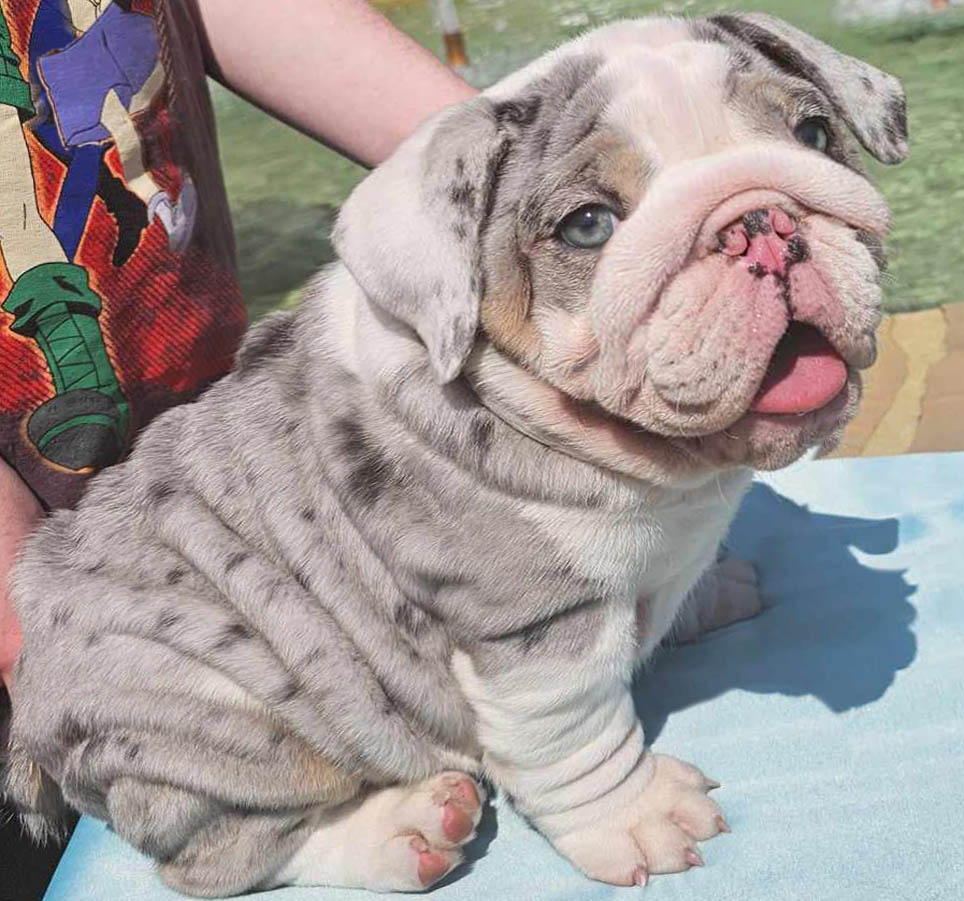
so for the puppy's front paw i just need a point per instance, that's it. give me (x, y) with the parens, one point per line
(657, 833)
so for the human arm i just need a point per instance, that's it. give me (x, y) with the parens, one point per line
(338, 70)
(19, 513)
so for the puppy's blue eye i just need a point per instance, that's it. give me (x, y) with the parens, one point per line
(588, 226)
(813, 133)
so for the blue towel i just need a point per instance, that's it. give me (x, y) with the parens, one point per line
(834, 720)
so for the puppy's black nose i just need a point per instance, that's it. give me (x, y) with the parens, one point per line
(763, 238)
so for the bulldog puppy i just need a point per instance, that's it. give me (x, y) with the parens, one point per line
(433, 521)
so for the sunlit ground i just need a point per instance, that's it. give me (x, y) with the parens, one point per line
(285, 189)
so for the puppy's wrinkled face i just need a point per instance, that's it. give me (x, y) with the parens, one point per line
(680, 240)
(676, 252)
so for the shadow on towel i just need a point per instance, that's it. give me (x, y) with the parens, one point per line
(834, 627)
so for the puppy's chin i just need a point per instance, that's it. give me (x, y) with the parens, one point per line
(770, 441)
(764, 441)
(583, 429)
(804, 399)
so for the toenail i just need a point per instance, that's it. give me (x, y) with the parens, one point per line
(431, 867)
(465, 791)
(693, 859)
(456, 823)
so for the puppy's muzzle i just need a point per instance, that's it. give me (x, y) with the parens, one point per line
(753, 195)
(766, 240)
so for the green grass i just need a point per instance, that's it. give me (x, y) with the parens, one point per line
(285, 189)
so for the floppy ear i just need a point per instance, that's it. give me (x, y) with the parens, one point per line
(871, 102)
(410, 232)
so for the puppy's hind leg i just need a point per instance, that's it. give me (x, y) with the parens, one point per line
(400, 839)
(204, 848)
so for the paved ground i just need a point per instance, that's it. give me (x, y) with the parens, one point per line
(914, 394)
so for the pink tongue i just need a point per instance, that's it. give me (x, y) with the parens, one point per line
(805, 373)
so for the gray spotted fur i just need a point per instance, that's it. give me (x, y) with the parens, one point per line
(324, 550)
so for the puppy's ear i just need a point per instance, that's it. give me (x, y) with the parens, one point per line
(410, 232)
(871, 102)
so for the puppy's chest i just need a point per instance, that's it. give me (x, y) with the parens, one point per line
(644, 558)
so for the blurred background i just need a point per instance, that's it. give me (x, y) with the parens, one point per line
(285, 189)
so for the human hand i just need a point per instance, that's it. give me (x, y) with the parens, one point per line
(19, 513)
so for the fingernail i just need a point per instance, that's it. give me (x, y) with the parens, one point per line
(693, 859)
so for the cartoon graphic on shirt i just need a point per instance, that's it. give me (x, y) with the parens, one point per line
(83, 101)
(93, 84)
(85, 423)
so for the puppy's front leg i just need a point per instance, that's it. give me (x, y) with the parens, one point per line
(563, 740)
